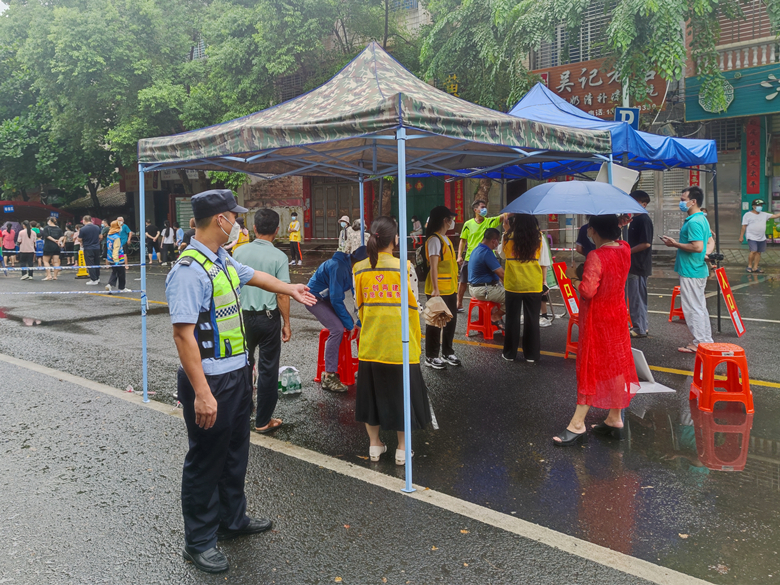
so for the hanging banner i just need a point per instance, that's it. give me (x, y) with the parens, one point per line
(457, 192)
(567, 288)
(731, 305)
(753, 156)
(694, 177)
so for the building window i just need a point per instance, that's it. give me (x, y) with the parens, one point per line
(396, 5)
(755, 25)
(288, 86)
(589, 42)
(727, 134)
(198, 51)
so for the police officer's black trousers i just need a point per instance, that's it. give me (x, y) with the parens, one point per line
(264, 332)
(212, 484)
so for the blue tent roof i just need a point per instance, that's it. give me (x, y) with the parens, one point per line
(645, 151)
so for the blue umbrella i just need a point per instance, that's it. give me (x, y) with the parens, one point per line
(585, 197)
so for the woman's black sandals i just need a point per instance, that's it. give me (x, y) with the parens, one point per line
(568, 438)
(608, 431)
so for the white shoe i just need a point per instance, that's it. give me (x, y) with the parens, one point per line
(108, 287)
(544, 322)
(126, 290)
(291, 262)
(92, 282)
(400, 456)
(375, 452)
(300, 262)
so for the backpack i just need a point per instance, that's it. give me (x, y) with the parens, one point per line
(421, 266)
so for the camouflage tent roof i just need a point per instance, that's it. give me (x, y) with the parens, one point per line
(347, 127)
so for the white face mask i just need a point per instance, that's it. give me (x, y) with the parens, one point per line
(234, 230)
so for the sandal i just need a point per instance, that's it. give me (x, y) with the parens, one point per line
(609, 431)
(759, 270)
(400, 456)
(569, 438)
(272, 425)
(375, 452)
(748, 269)
(687, 349)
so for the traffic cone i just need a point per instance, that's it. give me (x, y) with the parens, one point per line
(82, 271)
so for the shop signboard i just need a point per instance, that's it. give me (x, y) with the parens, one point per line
(731, 305)
(749, 92)
(567, 288)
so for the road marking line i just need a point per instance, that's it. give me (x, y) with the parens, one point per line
(546, 536)
(656, 368)
(724, 317)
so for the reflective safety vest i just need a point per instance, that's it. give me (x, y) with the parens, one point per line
(220, 330)
(242, 239)
(447, 268)
(378, 295)
(522, 276)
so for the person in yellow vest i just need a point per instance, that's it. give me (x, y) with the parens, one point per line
(523, 282)
(294, 229)
(441, 281)
(243, 237)
(379, 402)
(214, 380)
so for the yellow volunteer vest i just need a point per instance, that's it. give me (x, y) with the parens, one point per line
(378, 294)
(242, 239)
(295, 231)
(447, 269)
(522, 276)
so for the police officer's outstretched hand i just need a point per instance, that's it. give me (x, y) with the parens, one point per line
(300, 292)
(205, 410)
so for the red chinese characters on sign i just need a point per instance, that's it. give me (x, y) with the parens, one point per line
(552, 218)
(457, 192)
(594, 88)
(753, 157)
(567, 288)
(694, 177)
(731, 305)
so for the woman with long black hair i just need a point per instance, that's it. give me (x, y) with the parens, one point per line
(523, 282)
(380, 399)
(168, 243)
(441, 282)
(27, 239)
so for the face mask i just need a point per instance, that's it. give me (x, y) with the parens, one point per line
(295, 218)
(483, 211)
(759, 208)
(705, 215)
(591, 240)
(343, 224)
(234, 230)
(683, 206)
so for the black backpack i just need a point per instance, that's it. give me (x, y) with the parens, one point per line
(421, 266)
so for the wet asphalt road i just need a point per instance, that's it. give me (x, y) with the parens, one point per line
(90, 495)
(496, 419)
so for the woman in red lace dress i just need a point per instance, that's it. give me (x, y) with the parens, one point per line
(606, 375)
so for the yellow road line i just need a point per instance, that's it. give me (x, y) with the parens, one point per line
(656, 368)
(131, 299)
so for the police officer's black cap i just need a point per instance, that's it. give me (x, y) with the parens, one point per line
(214, 202)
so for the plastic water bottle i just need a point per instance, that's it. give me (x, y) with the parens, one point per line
(294, 382)
(284, 380)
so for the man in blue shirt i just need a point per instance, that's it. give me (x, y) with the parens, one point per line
(125, 235)
(214, 381)
(692, 267)
(486, 274)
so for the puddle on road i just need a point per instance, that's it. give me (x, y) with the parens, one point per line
(70, 324)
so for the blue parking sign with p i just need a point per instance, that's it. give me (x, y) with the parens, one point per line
(628, 115)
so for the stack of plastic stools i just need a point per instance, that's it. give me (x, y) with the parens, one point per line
(571, 346)
(708, 357)
(676, 312)
(482, 324)
(731, 450)
(348, 364)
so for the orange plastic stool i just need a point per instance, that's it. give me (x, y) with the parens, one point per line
(708, 356)
(482, 324)
(348, 365)
(676, 312)
(571, 346)
(731, 454)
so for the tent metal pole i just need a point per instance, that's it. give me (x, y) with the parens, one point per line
(401, 141)
(609, 170)
(144, 300)
(717, 230)
(362, 214)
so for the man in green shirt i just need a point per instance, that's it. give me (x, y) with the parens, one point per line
(473, 233)
(266, 315)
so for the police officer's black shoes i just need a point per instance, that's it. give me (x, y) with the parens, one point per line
(212, 560)
(255, 526)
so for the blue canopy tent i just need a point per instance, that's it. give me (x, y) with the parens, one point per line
(374, 118)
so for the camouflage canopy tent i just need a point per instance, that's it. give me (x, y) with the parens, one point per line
(374, 118)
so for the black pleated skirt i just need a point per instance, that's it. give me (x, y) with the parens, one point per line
(380, 396)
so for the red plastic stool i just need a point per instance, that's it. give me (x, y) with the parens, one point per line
(571, 346)
(731, 454)
(708, 356)
(483, 324)
(676, 312)
(348, 364)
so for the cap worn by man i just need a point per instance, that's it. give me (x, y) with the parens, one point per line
(214, 202)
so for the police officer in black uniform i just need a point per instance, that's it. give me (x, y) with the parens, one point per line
(214, 381)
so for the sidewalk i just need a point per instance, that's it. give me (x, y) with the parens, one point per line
(91, 493)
